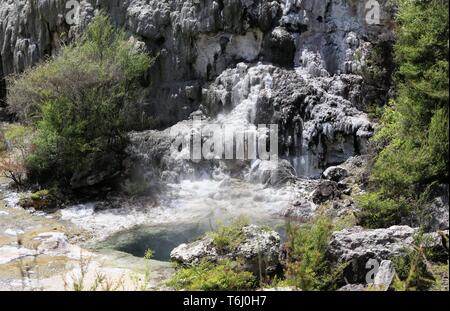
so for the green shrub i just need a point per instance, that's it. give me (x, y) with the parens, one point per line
(227, 237)
(412, 141)
(224, 276)
(306, 266)
(18, 137)
(39, 195)
(380, 212)
(42, 199)
(345, 221)
(412, 273)
(440, 273)
(82, 103)
(421, 267)
(17, 148)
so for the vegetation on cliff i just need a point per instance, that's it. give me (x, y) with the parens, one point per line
(413, 140)
(81, 104)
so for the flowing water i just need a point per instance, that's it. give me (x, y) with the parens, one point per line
(190, 208)
(185, 212)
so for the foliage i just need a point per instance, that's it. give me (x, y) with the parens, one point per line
(413, 138)
(82, 102)
(379, 212)
(306, 265)
(345, 221)
(227, 237)
(39, 195)
(149, 254)
(224, 276)
(412, 269)
(13, 162)
(440, 273)
(144, 284)
(102, 58)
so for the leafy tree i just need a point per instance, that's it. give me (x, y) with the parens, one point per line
(306, 265)
(413, 140)
(13, 160)
(82, 103)
(207, 276)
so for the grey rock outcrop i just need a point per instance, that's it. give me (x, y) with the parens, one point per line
(301, 210)
(196, 40)
(318, 124)
(358, 246)
(326, 190)
(157, 153)
(335, 173)
(258, 250)
(192, 254)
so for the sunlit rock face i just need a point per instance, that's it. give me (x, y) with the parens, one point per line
(318, 121)
(295, 63)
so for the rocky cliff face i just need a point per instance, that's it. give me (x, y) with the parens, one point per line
(298, 63)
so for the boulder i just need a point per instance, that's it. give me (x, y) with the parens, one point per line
(281, 47)
(40, 200)
(301, 210)
(193, 253)
(326, 190)
(258, 250)
(358, 246)
(335, 173)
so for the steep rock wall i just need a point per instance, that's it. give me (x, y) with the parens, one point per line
(314, 51)
(196, 39)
